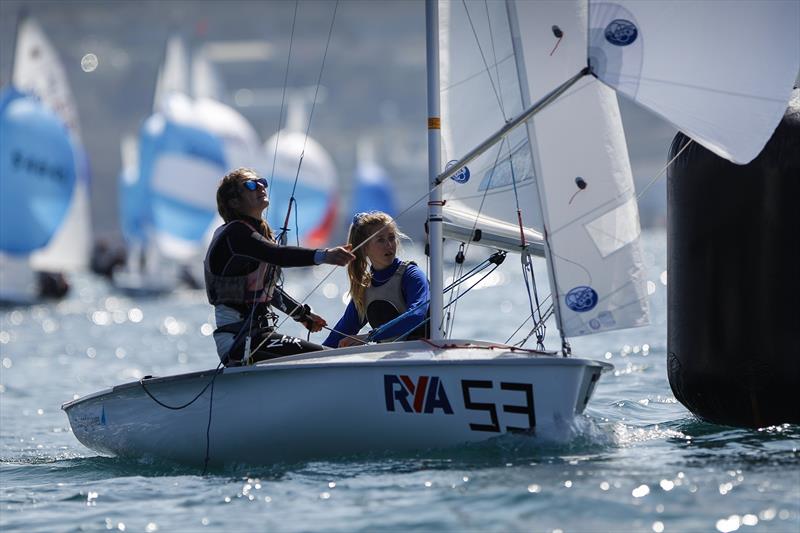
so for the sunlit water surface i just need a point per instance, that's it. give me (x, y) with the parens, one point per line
(641, 462)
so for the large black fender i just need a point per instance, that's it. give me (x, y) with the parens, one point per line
(733, 248)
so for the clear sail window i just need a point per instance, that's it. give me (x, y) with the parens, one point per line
(616, 228)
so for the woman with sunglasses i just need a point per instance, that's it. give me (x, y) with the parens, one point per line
(242, 270)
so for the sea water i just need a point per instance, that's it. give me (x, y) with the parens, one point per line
(640, 460)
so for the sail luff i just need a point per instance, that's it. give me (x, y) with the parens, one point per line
(522, 73)
(173, 74)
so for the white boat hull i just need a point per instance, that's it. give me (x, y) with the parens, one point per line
(388, 397)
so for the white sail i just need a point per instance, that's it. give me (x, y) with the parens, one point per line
(719, 70)
(586, 185)
(173, 75)
(480, 90)
(241, 143)
(39, 71)
(206, 82)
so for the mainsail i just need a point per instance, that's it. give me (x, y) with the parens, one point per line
(39, 71)
(480, 90)
(173, 74)
(568, 172)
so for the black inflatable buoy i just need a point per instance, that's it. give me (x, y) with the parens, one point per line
(733, 247)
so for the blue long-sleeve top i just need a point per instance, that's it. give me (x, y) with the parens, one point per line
(415, 292)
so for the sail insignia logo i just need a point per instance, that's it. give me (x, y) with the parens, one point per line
(621, 32)
(425, 395)
(463, 174)
(581, 299)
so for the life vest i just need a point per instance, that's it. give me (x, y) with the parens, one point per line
(386, 302)
(256, 286)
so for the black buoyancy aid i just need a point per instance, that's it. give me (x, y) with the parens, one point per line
(256, 286)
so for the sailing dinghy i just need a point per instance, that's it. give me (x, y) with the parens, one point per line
(43, 227)
(539, 167)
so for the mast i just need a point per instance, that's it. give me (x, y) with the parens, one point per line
(434, 165)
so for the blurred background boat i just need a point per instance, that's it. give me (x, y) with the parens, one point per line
(44, 179)
(168, 195)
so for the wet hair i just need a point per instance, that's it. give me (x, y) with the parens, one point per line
(230, 188)
(364, 227)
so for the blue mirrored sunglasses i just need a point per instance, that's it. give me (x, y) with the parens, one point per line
(252, 185)
(358, 216)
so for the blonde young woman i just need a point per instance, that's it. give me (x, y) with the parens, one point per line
(382, 287)
(242, 272)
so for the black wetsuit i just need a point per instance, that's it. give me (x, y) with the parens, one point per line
(238, 251)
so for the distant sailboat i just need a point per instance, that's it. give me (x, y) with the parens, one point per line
(317, 182)
(185, 148)
(547, 174)
(44, 189)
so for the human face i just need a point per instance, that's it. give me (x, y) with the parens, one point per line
(382, 248)
(253, 197)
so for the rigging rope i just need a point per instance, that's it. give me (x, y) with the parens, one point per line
(284, 229)
(216, 373)
(283, 100)
(483, 57)
(333, 269)
(663, 170)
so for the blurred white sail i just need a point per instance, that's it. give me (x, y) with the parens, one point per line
(316, 190)
(173, 75)
(206, 82)
(39, 72)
